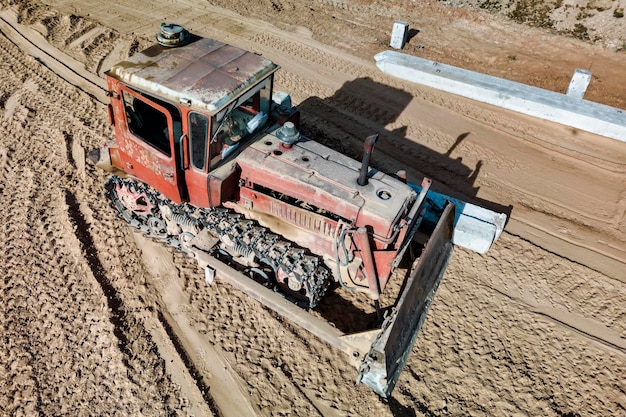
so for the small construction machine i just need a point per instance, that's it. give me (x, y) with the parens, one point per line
(208, 158)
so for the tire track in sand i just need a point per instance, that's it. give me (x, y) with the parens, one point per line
(17, 355)
(55, 324)
(158, 327)
(32, 43)
(166, 341)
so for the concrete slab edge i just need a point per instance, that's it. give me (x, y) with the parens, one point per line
(560, 108)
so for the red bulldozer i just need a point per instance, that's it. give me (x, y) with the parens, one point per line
(208, 158)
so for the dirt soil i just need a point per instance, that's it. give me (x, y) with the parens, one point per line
(95, 320)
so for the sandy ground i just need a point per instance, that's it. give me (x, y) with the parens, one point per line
(95, 320)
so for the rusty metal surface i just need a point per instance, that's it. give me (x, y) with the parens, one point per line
(327, 179)
(205, 74)
(137, 157)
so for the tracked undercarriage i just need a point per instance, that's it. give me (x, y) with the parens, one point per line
(242, 243)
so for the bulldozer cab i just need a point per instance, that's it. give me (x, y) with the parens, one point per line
(181, 112)
(175, 148)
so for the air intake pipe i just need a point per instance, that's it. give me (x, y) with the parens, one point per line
(368, 148)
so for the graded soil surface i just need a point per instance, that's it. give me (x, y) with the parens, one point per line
(98, 320)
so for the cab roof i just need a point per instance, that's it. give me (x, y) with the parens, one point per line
(204, 74)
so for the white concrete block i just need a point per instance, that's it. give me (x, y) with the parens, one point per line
(579, 83)
(399, 35)
(209, 274)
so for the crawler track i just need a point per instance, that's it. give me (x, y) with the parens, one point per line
(263, 254)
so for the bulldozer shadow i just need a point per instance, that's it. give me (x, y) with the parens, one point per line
(348, 311)
(362, 107)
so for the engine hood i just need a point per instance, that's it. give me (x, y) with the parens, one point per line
(315, 174)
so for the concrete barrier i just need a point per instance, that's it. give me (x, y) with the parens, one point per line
(578, 84)
(569, 110)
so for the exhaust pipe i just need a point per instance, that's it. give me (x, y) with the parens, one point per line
(368, 148)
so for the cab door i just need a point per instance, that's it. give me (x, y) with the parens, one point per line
(147, 143)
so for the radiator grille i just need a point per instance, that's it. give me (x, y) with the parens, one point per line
(303, 218)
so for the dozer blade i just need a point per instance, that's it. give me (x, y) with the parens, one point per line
(387, 356)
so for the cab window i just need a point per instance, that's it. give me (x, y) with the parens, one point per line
(235, 124)
(198, 134)
(149, 122)
(146, 122)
